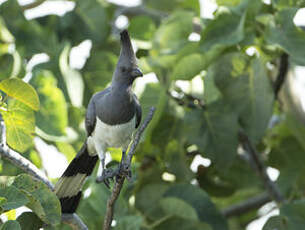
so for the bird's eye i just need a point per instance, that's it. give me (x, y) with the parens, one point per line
(123, 69)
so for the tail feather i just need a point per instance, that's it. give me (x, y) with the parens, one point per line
(68, 187)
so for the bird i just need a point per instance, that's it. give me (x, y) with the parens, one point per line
(112, 116)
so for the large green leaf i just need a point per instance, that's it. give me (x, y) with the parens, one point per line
(129, 223)
(21, 91)
(73, 79)
(286, 35)
(93, 207)
(29, 221)
(201, 202)
(282, 4)
(142, 28)
(173, 32)
(226, 30)
(97, 73)
(42, 200)
(295, 212)
(147, 200)
(188, 67)
(20, 123)
(10, 225)
(219, 117)
(53, 105)
(14, 198)
(276, 223)
(95, 18)
(173, 222)
(5, 35)
(208, 132)
(287, 155)
(177, 207)
(292, 217)
(246, 89)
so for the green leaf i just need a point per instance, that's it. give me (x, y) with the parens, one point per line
(292, 217)
(5, 35)
(188, 67)
(10, 225)
(147, 200)
(95, 18)
(14, 198)
(20, 122)
(201, 202)
(142, 27)
(177, 207)
(225, 30)
(246, 89)
(53, 106)
(287, 36)
(228, 2)
(211, 92)
(42, 200)
(173, 32)
(93, 206)
(73, 79)
(98, 74)
(282, 4)
(173, 223)
(290, 166)
(295, 212)
(21, 91)
(29, 221)
(214, 122)
(129, 223)
(210, 126)
(276, 223)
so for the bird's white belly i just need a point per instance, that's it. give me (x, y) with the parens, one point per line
(116, 136)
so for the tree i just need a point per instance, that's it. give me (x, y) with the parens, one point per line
(213, 97)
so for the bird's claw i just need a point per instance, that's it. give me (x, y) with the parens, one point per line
(107, 175)
(110, 174)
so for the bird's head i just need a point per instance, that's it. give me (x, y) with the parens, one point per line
(127, 69)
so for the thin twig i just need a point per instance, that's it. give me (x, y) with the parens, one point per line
(118, 184)
(280, 79)
(32, 5)
(247, 205)
(28, 167)
(260, 168)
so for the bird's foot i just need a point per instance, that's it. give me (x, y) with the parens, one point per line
(107, 175)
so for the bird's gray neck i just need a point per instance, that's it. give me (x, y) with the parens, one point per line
(121, 87)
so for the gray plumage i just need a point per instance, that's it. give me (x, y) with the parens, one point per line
(112, 116)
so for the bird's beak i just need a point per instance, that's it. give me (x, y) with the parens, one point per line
(136, 72)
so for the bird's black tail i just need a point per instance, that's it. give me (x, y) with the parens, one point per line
(68, 187)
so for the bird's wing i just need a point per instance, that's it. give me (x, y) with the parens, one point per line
(91, 111)
(90, 117)
(138, 111)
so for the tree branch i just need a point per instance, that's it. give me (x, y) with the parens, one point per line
(280, 79)
(118, 184)
(247, 205)
(27, 166)
(32, 5)
(260, 168)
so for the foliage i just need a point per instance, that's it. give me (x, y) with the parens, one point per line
(207, 90)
